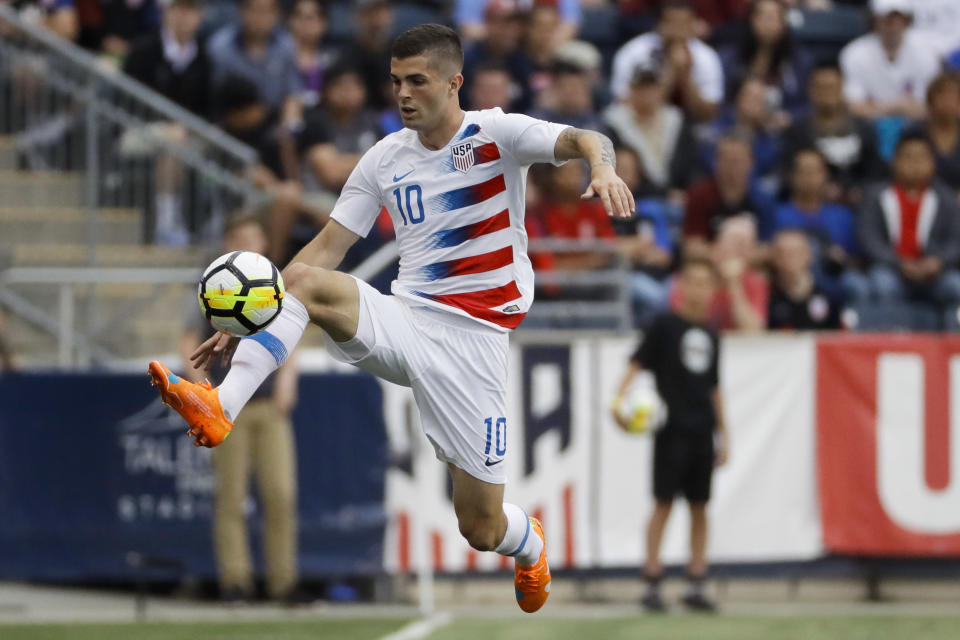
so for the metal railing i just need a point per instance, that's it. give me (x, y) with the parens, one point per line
(93, 138)
(80, 343)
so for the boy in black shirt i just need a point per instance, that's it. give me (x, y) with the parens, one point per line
(682, 352)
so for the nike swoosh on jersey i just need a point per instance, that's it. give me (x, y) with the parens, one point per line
(396, 179)
(490, 462)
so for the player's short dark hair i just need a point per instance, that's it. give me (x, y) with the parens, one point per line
(692, 262)
(436, 41)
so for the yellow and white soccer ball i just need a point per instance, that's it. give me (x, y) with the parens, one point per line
(642, 407)
(241, 293)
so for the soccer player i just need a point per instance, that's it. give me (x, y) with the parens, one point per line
(453, 183)
(682, 353)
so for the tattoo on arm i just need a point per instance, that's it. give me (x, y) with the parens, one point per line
(607, 154)
(570, 145)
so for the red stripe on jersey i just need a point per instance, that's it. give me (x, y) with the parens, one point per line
(487, 152)
(471, 264)
(478, 303)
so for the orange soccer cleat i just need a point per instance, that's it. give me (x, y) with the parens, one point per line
(199, 404)
(532, 582)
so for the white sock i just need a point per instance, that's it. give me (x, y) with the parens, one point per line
(520, 540)
(260, 355)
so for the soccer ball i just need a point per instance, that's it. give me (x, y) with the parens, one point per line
(642, 407)
(241, 293)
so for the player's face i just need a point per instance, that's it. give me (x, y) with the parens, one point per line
(699, 285)
(424, 91)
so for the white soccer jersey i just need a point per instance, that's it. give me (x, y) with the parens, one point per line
(457, 212)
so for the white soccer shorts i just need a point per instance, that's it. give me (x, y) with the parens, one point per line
(456, 367)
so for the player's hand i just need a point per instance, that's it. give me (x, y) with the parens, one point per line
(219, 345)
(613, 192)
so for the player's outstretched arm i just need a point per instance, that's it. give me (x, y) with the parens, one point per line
(326, 250)
(597, 150)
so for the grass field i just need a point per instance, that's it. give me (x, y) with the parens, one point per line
(726, 627)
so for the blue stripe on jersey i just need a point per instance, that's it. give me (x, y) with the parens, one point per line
(272, 344)
(468, 196)
(471, 130)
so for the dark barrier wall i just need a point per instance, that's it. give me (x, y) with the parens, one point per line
(93, 467)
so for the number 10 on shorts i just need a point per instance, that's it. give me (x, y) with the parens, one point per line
(501, 436)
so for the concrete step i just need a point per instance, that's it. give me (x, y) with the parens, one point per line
(8, 154)
(105, 255)
(41, 189)
(67, 225)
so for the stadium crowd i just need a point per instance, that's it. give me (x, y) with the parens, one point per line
(810, 148)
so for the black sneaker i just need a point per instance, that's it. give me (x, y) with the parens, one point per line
(699, 602)
(235, 596)
(653, 602)
(297, 597)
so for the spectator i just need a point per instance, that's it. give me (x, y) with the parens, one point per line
(262, 446)
(740, 302)
(58, 16)
(797, 300)
(263, 53)
(173, 62)
(682, 352)
(308, 24)
(942, 127)
(848, 142)
(501, 47)
(938, 21)
(910, 230)
(886, 72)
(728, 193)
(341, 130)
(245, 115)
(768, 52)
(829, 226)
(752, 118)
(693, 74)
(491, 87)
(714, 17)
(563, 214)
(111, 26)
(469, 14)
(369, 49)
(657, 132)
(646, 240)
(570, 98)
(541, 42)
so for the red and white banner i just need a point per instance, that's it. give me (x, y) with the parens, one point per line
(888, 431)
(842, 444)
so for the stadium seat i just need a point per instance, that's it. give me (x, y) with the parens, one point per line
(896, 316)
(951, 319)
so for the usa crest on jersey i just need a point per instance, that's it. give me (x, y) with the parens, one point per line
(463, 156)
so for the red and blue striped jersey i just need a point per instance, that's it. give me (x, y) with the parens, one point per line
(457, 212)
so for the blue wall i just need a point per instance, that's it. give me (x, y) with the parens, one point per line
(93, 467)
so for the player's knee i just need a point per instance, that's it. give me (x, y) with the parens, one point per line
(480, 533)
(304, 282)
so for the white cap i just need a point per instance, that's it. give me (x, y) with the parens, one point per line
(885, 7)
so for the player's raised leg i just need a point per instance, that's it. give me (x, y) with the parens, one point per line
(325, 297)
(490, 524)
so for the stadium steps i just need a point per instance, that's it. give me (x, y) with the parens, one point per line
(40, 188)
(67, 225)
(54, 254)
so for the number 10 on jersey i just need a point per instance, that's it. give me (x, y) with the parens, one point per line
(501, 428)
(413, 189)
